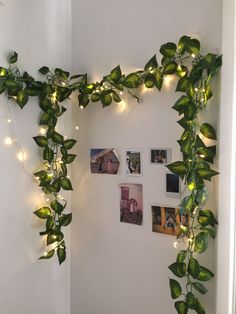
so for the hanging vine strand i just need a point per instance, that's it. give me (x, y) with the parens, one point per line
(194, 72)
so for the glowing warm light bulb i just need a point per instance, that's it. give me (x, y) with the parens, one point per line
(121, 93)
(168, 79)
(47, 200)
(14, 97)
(8, 120)
(21, 156)
(102, 88)
(68, 177)
(193, 55)
(77, 128)
(196, 89)
(65, 137)
(8, 141)
(63, 83)
(202, 156)
(202, 99)
(45, 254)
(42, 131)
(203, 90)
(175, 244)
(81, 107)
(54, 97)
(179, 67)
(191, 186)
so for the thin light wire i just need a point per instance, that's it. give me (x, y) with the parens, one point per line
(16, 143)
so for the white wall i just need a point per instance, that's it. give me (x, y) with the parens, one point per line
(116, 267)
(40, 32)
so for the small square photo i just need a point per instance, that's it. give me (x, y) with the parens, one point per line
(160, 156)
(104, 161)
(133, 162)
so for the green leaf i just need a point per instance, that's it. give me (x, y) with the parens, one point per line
(116, 74)
(207, 174)
(69, 158)
(43, 212)
(170, 68)
(182, 84)
(178, 269)
(41, 174)
(65, 219)
(61, 254)
(183, 44)
(209, 215)
(116, 97)
(201, 242)
(168, 49)
(149, 81)
(151, 64)
(66, 184)
(44, 119)
(194, 181)
(175, 288)
(56, 185)
(95, 97)
(63, 74)
(193, 46)
(199, 308)
(193, 267)
(208, 131)
(199, 287)
(181, 307)
(54, 236)
(181, 256)
(22, 98)
(49, 223)
(131, 81)
(41, 141)
(69, 143)
(57, 138)
(201, 196)
(187, 204)
(48, 154)
(13, 58)
(190, 111)
(57, 207)
(11, 84)
(3, 72)
(181, 104)
(64, 151)
(210, 231)
(205, 274)
(106, 100)
(83, 100)
(44, 70)
(48, 255)
(178, 167)
(190, 300)
(159, 80)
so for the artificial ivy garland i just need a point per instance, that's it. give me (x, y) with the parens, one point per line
(194, 72)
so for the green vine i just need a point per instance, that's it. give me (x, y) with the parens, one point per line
(194, 72)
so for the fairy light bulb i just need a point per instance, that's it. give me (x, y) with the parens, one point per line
(121, 93)
(196, 89)
(77, 128)
(8, 120)
(81, 107)
(42, 131)
(175, 244)
(54, 97)
(8, 141)
(45, 254)
(21, 156)
(193, 55)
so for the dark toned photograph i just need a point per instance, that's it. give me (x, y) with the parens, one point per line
(160, 156)
(172, 185)
(104, 161)
(131, 203)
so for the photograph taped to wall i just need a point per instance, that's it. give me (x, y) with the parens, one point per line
(167, 220)
(172, 185)
(133, 162)
(160, 156)
(131, 203)
(104, 161)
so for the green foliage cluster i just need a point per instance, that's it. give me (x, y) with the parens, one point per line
(194, 72)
